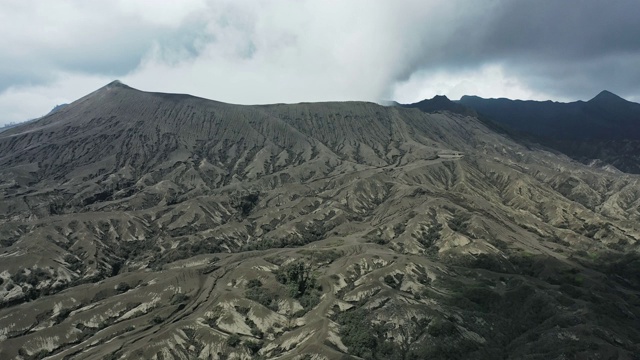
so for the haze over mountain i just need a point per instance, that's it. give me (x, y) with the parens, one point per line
(10, 125)
(166, 226)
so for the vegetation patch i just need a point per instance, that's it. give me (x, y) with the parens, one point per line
(324, 257)
(431, 235)
(394, 281)
(301, 284)
(246, 203)
(421, 338)
(256, 292)
(459, 223)
(234, 340)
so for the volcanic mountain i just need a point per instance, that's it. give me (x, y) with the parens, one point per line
(605, 128)
(163, 226)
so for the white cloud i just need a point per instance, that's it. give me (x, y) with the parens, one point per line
(29, 102)
(487, 81)
(284, 51)
(163, 13)
(279, 51)
(234, 51)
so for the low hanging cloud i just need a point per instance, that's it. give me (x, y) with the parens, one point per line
(292, 51)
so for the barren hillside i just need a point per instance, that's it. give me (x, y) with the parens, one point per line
(162, 226)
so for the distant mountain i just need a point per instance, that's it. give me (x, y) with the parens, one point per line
(14, 124)
(442, 103)
(606, 127)
(606, 116)
(7, 126)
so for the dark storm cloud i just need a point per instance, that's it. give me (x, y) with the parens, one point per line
(563, 48)
(570, 48)
(571, 30)
(582, 79)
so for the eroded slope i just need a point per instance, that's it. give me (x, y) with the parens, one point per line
(165, 226)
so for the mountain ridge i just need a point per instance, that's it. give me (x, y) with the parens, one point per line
(607, 96)
(604, 128)
(145, 225)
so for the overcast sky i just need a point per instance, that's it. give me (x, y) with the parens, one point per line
(251, 52)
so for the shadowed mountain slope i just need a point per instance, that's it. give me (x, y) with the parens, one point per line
(148, 225)
(606, 127)
(442, 103)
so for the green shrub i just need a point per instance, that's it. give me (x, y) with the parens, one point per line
(356, 334)
(442, 328)
(179, 298)
(234, 340)
(459, 223)
(123, 287)
(301, 283)
(254, 283)
(247, 203)
(394, 281)
(243, 310)
(430, 236)
(297, 276)
(262, 296)
(253, 346)
(390, 280)
(34, 277)
(74, 262)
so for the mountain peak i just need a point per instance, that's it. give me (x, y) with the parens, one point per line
(442, 103)
(441, 98)
(607, 96)
(112, 87)
(438, 99)
(115, 83)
